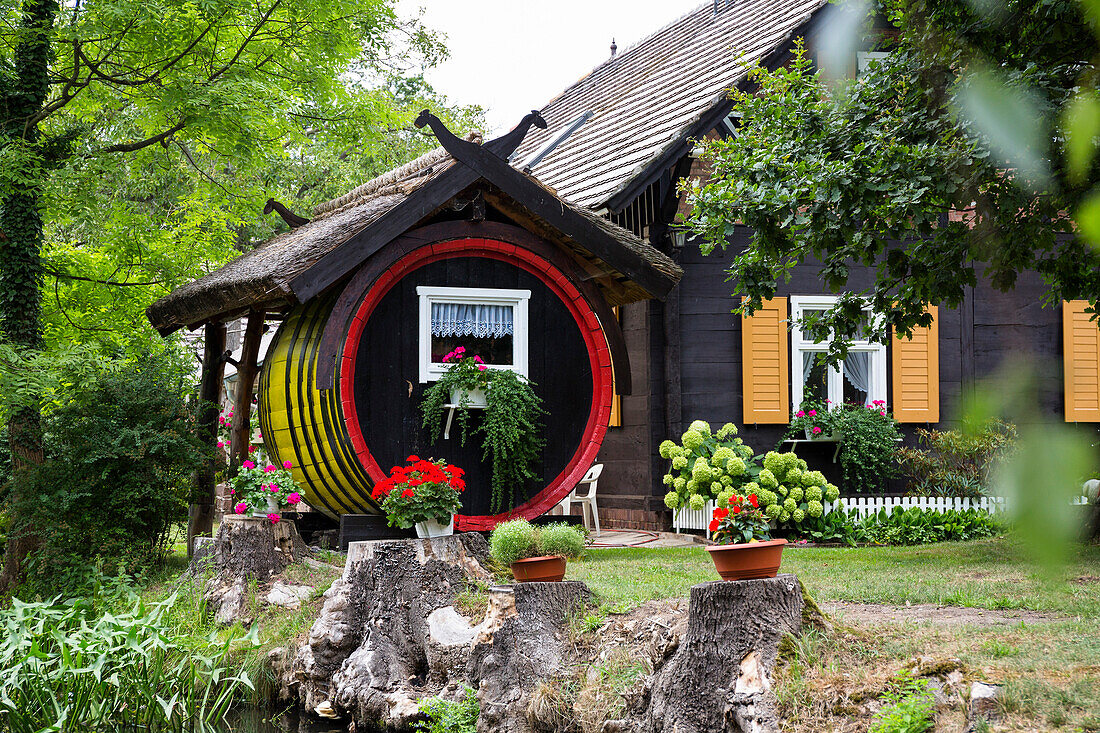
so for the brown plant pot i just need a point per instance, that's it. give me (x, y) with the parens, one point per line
(747, 561)
(545, 569)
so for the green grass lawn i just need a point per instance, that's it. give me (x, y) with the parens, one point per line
(1051, 670)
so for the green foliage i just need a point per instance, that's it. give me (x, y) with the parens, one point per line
(121, 452)
(445, 716)
(909, 707)
(421, 491)
(511, 428)
(962, 116)
(560, 538)
(513, 540)
(915, 526)
(956, 462)
(836, 526)
(867, 449)
(518, 539)
(70, 666)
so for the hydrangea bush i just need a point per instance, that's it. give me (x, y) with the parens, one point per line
(720, 466)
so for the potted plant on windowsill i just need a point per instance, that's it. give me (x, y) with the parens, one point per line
(264, 492)
(512, 426)
(425, 494)
(535, 554)
(817, 421)
(745, 549)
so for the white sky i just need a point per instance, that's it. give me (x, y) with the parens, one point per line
(512, 56)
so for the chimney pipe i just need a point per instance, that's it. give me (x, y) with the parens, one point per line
(614, 48)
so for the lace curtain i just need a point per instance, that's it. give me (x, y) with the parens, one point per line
(857, 370)
(462, 319)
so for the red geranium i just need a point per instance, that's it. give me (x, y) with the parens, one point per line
(422, 490)
(739, 521)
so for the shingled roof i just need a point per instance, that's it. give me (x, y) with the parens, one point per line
(650, 96)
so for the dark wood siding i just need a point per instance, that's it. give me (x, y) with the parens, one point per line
(388, 392)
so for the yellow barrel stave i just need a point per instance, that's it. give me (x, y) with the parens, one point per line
(305, 425)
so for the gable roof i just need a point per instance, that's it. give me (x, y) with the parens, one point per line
(294, 266)
(652, 96)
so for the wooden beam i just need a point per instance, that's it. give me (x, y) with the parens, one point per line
(395, 222)
(239, 436)
(200, 520)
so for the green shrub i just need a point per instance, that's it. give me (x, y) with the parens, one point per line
(116, 671)
(838, 526)
(867, 450)
(917, 526)
(956, 462)
(121, 452)
(445, 716)
(908, 708)
(512, 540)
(562, 539)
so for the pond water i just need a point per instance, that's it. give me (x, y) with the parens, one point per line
(274, 720)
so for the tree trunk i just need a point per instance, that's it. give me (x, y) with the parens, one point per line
(246, 549)
(718, 679)
(21, 97)
(200, 520)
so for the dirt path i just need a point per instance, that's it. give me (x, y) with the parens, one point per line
(869, 614)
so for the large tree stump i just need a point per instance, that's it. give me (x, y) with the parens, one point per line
(718, 679)
(389, 635)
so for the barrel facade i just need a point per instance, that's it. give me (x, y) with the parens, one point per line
(343, 439)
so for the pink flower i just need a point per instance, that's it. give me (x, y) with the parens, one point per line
(229, 414)
(221, 420)
(269, 468)
(248, 464)
(274, 518)
(287, 465)
(879, 402)
(870, 406)
(221, 443)
(481, 367)
(241, 508)
(460, 350)
(801, 413)
(273, 488)
(232, 492)
(828, 402)
(816, 430)
(260, 435)
(478, 360)
(812, 413)
(294, 498)
(882, 412)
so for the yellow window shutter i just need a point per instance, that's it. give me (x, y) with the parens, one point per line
(916, 366)
(1081, 355)
(764, 365)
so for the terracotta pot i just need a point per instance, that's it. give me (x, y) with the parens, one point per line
(545, 569)
(747, 561)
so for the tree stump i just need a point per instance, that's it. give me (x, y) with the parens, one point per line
(245, 548)
(719, 677)
(389, 635)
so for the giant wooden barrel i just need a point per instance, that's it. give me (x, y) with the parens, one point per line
(362, 344)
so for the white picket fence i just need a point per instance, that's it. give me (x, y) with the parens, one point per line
(688, 518)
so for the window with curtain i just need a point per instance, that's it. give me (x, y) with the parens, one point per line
(860, 378)
(490, 323)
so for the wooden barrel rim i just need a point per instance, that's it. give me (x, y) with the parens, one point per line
(598, 354)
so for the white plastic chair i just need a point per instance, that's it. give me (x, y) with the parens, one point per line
(587, 501)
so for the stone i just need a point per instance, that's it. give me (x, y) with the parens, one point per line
(287, 595)
(985, 705)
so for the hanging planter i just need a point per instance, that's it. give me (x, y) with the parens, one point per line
(471, 399)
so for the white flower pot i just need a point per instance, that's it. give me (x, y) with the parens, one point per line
(477, 398)
(822, 436)
(272, 508)
(432, 528)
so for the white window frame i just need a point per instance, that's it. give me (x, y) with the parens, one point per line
(835, 375)
(864, 59)
(431, 371)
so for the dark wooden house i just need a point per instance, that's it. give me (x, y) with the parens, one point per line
(355, 288)
(621, 139)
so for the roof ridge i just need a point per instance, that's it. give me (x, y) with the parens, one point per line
(389, 179)
(618, 57)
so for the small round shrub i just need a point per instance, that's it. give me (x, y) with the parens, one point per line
(561, 539)
(512, 540)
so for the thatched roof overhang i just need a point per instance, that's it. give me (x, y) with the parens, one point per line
(297, 265)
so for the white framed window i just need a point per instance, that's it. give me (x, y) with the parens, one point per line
(860, 378)
(490, 323)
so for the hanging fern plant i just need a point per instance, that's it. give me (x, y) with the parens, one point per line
(511, 431)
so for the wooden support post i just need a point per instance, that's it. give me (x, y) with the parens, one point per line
(200, 520)
(240, 436)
